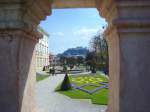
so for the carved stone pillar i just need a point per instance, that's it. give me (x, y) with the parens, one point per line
(18, 36)
(128, 35)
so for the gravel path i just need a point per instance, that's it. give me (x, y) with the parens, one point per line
(50, 101)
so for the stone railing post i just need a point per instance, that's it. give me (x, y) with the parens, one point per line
(18, 37)
(128, 35)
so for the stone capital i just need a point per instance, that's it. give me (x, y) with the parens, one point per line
(23, 14)
(125, 15)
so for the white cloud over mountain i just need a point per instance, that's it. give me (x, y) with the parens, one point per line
(86, 33)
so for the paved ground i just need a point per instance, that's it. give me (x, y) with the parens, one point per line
(50, 101)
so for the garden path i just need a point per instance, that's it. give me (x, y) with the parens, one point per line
(50, 101)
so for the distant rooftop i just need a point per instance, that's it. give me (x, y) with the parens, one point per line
(43, 31)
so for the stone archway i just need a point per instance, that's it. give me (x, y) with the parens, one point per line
(128, 36)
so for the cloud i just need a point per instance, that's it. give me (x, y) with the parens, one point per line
(60, 34)
(86, 33)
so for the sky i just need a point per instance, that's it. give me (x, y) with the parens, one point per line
(70, 28)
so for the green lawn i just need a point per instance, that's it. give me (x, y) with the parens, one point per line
(100, 97)
(41, 77)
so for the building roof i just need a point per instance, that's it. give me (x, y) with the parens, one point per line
(43, 31)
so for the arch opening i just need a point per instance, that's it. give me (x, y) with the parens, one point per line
(58, 31)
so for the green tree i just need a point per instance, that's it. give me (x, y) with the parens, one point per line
(99, 46)
(80, 60)
(91, 61)
(62, 60)
(71, 62)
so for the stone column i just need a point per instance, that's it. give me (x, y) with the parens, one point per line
(128, 35)
(18, 37)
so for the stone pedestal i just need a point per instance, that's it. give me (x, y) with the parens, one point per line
(128, 36)
(18, 37)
